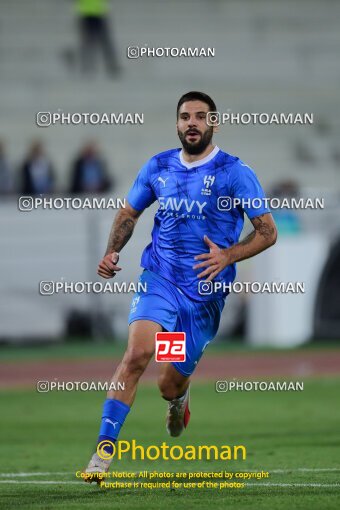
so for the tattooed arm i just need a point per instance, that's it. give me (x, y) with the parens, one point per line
(122, 228)
(263, 236)
(121, 232)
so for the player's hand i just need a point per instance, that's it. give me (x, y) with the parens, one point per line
(214, 261)
(107, 267)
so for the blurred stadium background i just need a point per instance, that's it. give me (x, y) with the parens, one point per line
(270, 57)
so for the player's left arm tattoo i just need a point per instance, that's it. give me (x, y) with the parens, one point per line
(265, 226)
(247, 239)
(262, 237)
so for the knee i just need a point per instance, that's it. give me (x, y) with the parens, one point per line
(169, 389)
(136, 359)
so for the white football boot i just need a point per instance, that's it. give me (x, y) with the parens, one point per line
(95, 468)
(178, 415)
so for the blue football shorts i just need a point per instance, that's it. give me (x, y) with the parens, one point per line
(166, 305)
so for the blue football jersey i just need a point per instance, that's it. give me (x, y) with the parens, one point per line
(195, 199)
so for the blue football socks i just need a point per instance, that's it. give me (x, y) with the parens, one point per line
(114, 414)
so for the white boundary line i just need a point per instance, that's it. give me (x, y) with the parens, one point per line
(46, 473)
(268, 484)
(301, 470)
(40, 482)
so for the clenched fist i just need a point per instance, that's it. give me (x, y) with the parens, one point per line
(107, 267)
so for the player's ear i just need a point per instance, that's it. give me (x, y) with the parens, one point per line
(215, 129)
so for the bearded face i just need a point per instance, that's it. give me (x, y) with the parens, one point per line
(193, 131)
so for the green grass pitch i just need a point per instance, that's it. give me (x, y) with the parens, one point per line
(293, 435)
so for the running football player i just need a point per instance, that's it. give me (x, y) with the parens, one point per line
(195, 243)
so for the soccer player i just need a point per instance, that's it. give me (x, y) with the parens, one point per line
(195, 243)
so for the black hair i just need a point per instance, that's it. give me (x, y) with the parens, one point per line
(197, 96)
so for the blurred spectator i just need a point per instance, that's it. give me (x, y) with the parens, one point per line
(37, 173)
(95, 33)
(286, 189)
(6, 178)
(89, 174)
(336, 156)
(304, 153)
(287, 220)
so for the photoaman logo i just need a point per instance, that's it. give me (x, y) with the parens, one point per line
(170, 346)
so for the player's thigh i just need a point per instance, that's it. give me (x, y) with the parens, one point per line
(200, 323)
(142, 337)
(156, 304)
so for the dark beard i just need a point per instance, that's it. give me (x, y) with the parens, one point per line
(198, 147)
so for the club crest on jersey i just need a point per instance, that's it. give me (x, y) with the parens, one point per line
(208, 182)
(134, 304)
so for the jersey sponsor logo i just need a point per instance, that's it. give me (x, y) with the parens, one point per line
(163, 181)
(170, 346)
(208, 182)
(177, 204)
